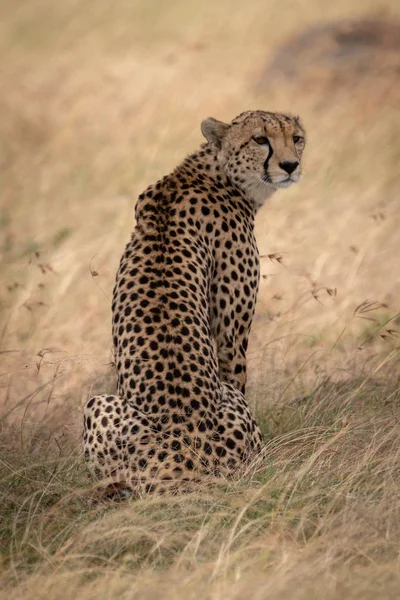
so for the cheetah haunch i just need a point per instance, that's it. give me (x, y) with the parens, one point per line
(182, 309)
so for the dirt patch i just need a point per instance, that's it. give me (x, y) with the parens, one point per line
(346, 57)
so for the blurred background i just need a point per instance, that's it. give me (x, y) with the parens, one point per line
(99, 99)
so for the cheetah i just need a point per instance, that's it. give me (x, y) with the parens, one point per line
(182, 309)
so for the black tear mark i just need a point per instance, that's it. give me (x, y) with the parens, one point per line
(270, 153)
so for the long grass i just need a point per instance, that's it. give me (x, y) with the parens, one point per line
(318, 518)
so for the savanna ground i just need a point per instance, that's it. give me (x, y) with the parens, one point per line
(97, 100)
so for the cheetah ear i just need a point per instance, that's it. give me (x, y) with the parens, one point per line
(214, 131)
(298, 121)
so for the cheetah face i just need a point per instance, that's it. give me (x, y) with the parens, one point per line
(259, 151)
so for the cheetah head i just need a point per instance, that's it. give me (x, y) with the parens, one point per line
(259, 151)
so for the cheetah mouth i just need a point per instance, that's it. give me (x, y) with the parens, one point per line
(282, 181)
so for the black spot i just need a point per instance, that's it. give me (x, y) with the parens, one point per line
(230, 443)
(220, 451)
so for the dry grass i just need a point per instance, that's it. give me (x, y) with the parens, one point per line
(319, 518)
(99, 99)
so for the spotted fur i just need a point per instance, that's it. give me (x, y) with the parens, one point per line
(182, 309)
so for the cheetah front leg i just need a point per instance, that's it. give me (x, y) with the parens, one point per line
(231, 314)
(238, 431)
(230, 333)
(231, 354)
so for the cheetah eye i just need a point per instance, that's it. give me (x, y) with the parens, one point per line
(297, 139)
(261, 140)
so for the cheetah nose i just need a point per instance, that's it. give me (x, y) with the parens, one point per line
(288, 166)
